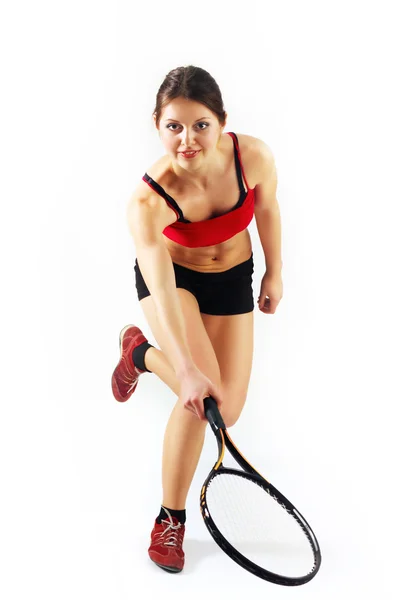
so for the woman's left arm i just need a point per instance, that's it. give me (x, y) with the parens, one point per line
(267, 215)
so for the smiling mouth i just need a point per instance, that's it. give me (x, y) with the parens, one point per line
(190, 153)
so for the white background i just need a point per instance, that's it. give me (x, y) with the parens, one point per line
(80, 473)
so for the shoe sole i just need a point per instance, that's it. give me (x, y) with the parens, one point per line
(168, 569)
(121, 335)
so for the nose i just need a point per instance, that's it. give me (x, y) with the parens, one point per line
(187, 138)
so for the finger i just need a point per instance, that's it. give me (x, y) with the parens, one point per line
(264, 302)
(191, 409)
(269, 308)
(202, 415)
(273, 304)
(265, 309)
(197, 410)
(217, 397)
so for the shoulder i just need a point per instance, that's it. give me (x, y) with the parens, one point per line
(146, 197)
(257, 158)
(144, 191)
(252, 144)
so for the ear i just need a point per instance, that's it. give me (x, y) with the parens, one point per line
(154, 121)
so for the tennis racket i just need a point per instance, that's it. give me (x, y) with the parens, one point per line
(251, 520)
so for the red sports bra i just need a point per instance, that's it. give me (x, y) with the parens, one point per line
(216, 229)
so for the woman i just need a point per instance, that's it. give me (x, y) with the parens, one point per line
(189, 218)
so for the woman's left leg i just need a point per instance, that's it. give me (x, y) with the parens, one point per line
(232, 337)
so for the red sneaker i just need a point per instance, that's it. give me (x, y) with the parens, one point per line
(166, 545)
(125, 377)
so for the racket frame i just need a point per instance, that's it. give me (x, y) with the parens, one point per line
(250, 473)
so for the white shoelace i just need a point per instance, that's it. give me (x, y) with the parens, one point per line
(130, 388)
(133, 384)
(172, 538)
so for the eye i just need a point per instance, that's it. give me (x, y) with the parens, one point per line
(170, 125)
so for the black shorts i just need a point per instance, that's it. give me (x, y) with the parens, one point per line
(226, 293)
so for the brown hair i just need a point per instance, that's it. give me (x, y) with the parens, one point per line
(191, 83)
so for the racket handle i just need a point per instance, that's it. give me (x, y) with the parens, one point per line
(212, 413)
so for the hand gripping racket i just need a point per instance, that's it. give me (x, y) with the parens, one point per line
(251, 520)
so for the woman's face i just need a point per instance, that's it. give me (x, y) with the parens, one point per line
(188, 125)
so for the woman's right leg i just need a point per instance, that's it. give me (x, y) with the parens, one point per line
(156, 361)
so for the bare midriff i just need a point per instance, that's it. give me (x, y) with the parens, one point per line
(214, 259)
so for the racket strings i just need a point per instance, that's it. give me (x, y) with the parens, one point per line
(259, 526)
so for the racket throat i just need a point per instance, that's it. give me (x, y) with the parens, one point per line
(221, 449)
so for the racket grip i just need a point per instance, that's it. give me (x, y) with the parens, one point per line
(212, 413)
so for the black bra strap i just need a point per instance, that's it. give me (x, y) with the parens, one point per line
(166, 196)
(237, 164)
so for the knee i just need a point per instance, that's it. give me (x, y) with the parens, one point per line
(231, 412)
(230, 419)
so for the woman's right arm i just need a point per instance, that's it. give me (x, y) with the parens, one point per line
(148, 216)
(147, 219)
